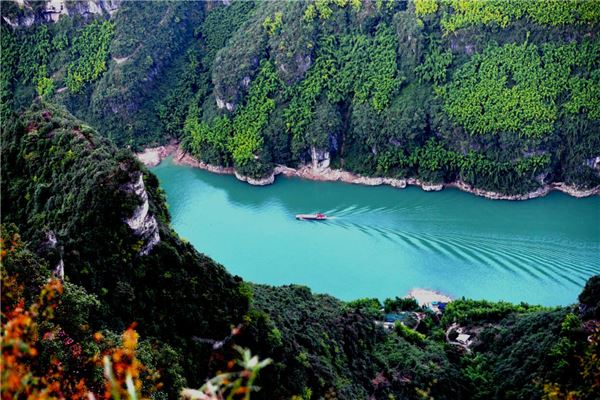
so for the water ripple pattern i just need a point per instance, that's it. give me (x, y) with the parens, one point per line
(381, 242)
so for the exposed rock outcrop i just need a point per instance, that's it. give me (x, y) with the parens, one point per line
(222, 104)
(269, 179)
(50, 247)
(141, 222)
(152, 156)
(593, 163)
(59, 270)
(183, 158)
(320, 158)
(319, 170)
(54, 9)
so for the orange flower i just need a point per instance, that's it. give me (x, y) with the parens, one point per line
(98, 337)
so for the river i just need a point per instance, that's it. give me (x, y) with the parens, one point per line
(381, 241)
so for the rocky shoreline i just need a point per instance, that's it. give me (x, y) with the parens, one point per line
(151, 157)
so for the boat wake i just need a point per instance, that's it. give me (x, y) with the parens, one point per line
(556, 260)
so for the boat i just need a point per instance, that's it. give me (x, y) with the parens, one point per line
(311, 217)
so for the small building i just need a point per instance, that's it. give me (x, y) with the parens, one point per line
(393, 317)
(388, 326)
(463, 338)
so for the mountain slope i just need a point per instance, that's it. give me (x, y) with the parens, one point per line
(99, 217)
(94, 216)
(500, 98)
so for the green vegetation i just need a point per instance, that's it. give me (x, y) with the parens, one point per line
(251, 119)
(89, 51)
(499, 94)
(409, 334)
(426, 7)
(546, 12)
(514, 88)
(479, 311)
(400, 304)
(34, 53)
(72, 188)
(67, 179)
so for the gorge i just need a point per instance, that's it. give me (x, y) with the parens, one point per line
(154, 154)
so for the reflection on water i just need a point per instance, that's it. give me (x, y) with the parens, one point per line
(382, 241)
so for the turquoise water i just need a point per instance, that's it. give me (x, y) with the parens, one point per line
(381, 241)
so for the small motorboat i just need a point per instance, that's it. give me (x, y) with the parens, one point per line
(311, 217)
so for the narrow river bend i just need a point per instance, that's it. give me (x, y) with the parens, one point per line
(381, 241)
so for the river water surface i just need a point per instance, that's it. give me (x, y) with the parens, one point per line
(382, 241)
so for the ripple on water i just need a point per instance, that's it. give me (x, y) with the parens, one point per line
(380, 242)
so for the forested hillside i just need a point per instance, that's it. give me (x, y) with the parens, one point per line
(76, 207)
(499, 95)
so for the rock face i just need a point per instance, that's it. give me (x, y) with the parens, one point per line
(59, 270)
(594, 163)
(319, 170)
(54, 9)
(141, 222)
(320, 158)
(50, 245)
(222, 104)
(152, 156)
(256, 182)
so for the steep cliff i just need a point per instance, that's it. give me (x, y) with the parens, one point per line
(25, 13)
(99, 219)
(141, 221)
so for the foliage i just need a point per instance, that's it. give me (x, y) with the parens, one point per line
(89, 51)
(129, 102)
(273, 25)
(34, 52)
(434, 67)
(590, 297)
(324, 345)
(67, 179)
(57, 167)
(409, 334)
(589, 370)
(323, 8)
(368, 83)
(220, 24)
(19, 336)
(504, 89)
(191, 83)
(9, 61)
(514, 88)
(229, 385)
(499, 12)
(44, 85)
(472, 311)
(368, 306)
(26, 331)
(426, 7)
(400, 304)
(415, 370)
(208, 143)
(519, 356)
(251, 119)
(433, 163)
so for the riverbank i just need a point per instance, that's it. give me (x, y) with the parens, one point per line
(151, 157)
(426, 297)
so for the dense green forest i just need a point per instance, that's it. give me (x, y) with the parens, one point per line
(500, 95)
(67, 201)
